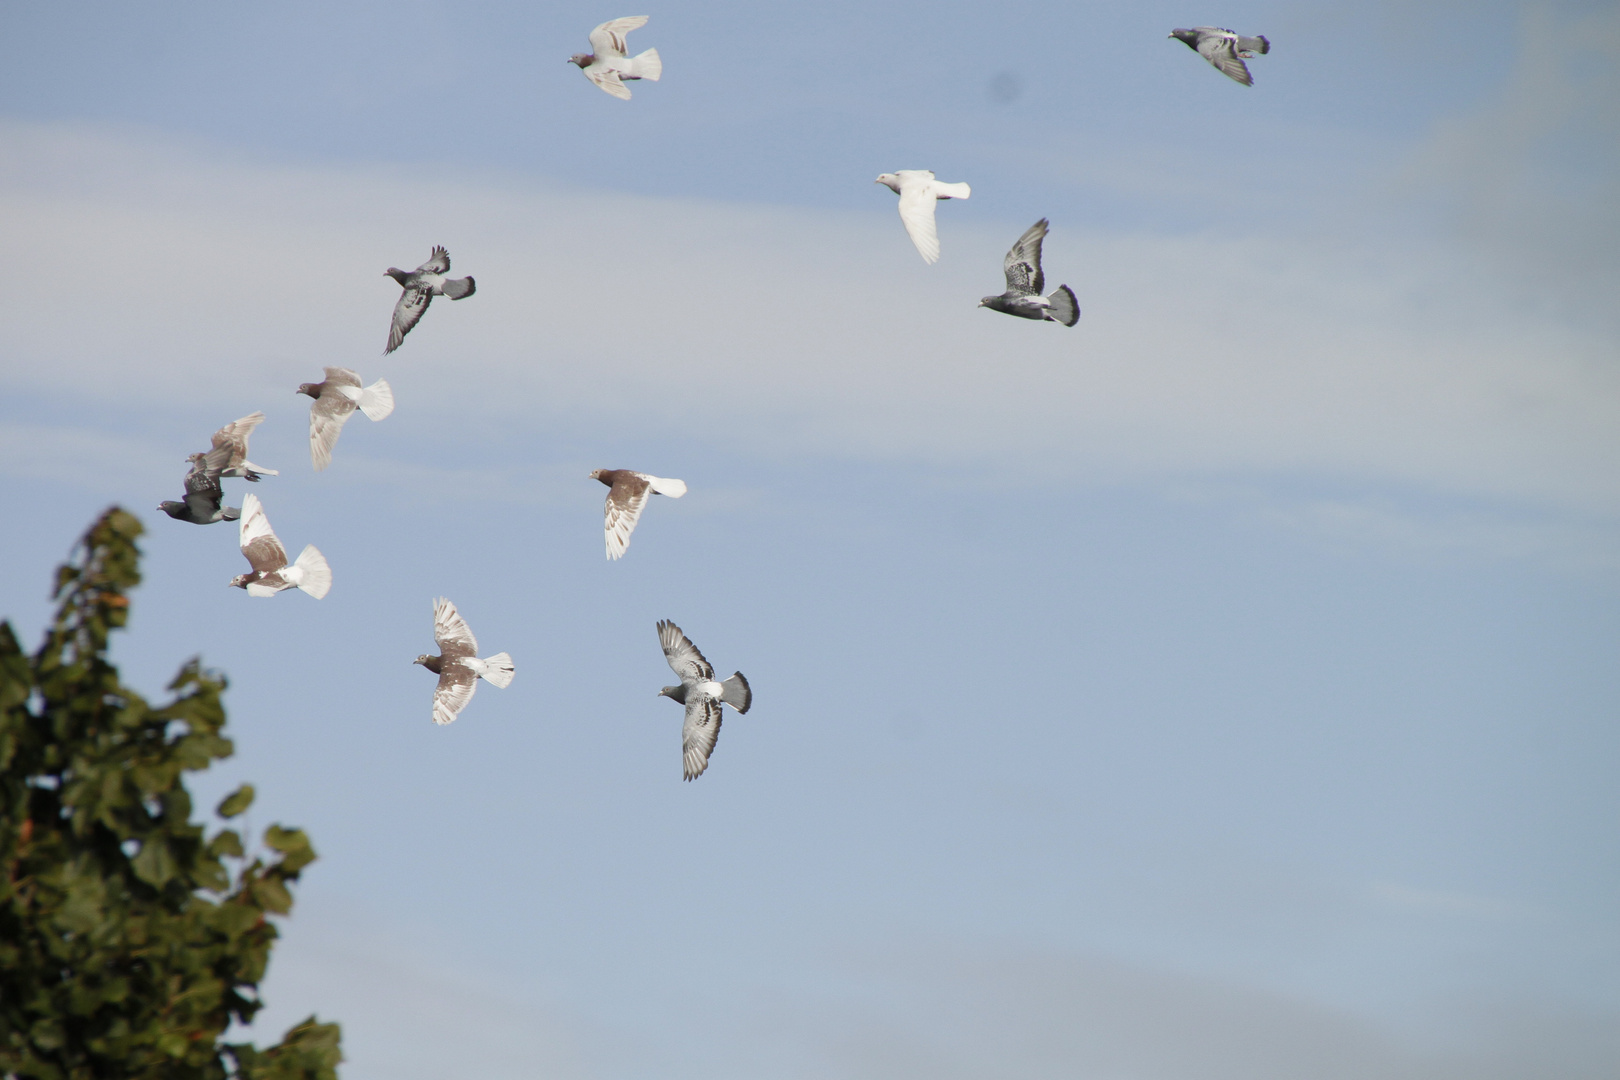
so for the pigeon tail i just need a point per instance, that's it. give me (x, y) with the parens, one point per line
(376, 400)
(249, 471)
(737, 693)
(1253, 45)
(673, 488)
(951, 191)
(497, 669)
(645, 65)
(1065, 309)
(314, 576)
(459, 288)
(229, 513)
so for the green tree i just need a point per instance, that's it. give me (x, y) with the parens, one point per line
(127, 946)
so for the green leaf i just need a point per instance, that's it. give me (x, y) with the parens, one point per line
(236, 802)
(272, 895)
(154, 863)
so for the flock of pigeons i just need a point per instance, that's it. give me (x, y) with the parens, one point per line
(342, 392)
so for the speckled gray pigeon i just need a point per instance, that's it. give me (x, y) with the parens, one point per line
(701, 695)
(201, 506)
(1224, 49)
(1025, 280)
(421, 286)
(233, 438)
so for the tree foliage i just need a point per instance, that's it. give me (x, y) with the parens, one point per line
(127, 944)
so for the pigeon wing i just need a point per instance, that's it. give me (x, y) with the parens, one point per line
(917, 201)
(407, 313)
(699, 734)
(451, 631)
(326, 419)
(455, 689)
(1218, 49)
(625, 501)
(342, 376)
(608, 80)
(1023, 263)
(683, 656)
(234, 437)
(438, 262)
(609, 38)
(259, 544)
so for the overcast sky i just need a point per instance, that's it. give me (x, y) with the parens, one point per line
(1222, 688)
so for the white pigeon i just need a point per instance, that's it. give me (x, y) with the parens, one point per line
(336, 398)
(919, 191)
(264, 553)
(607, 64)
(457, 664)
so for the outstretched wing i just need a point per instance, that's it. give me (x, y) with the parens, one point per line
(917, 202)
(234, 436)
(342, 376)
(259, 544)
(326, 419)
(455, 689)
(608, 40)
(609, 80)
(683, 656)
(407, 313)
(1220, 49)
(438, 262)
(699, 734)
(1023, 262)
(451, 631)
(625, 501)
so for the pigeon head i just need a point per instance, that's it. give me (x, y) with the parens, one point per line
(596, 474)
(890, 181)
(312, 389)
(678, 693)
(584, 59)
(432, 663)
(1186, 37)
(992, 302)
(196, 460)
(174, 509)
(240, 581)
(401, 276)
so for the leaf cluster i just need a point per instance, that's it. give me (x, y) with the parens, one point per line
(128, 944)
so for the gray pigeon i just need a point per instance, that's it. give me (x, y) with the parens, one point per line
(1025, 280)
(233, 437)
(336, 398)
(701, 695)
(457, 664)
(1224, 49)
(608, 66)
(627, 495)
(204, 494)
(421, 286)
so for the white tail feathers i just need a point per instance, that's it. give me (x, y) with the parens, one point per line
(951, 191)
(1065, 309)
(673, 488)
(315, 577)
(376, 400)
(646, 66)
(498, 669)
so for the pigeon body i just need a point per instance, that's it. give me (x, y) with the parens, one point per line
(421, 286)
(336, 398)
(607, 64)
(919, 191)
(1224, 49)
(701, 694)
(271, 573)
(204, 494)
(233, 438)
(457, 664)
(1025, 280)
(627, 495)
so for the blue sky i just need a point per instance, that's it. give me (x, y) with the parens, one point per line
(1223, 687)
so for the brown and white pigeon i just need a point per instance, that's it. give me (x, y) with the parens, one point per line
(1224, 49)
(421, 286)
(919, 191)
(701, 695)
(336, 398)
(233, 438)
(264, 553)
(204, 494)
(457, 664)
(607, 64)
(627, 495)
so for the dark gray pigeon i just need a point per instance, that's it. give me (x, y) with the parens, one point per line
(233, 438)
(1224, 49)
(457, 664)
(204, 494)
(421, 286)
(701, 695)
(1025, 280)
(336, 398)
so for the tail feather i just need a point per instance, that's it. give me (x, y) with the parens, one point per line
(646, 66)
(1065, 309)
(498, 669)
(459, 288)
(737, 693)
(229, 513)
(673, 488)
(951, 191)
(316, 578)
(1254, 45)
(377, 400)
(253, 472)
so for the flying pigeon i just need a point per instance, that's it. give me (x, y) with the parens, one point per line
(457, 664)
(234, 438)
(919, 191)
(1224, 49)
(336, 398)
(264, 553)
(607, 65)
(204, 494)
(627, 494)
(1025, 280)
(701, 695)
(421, 286)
